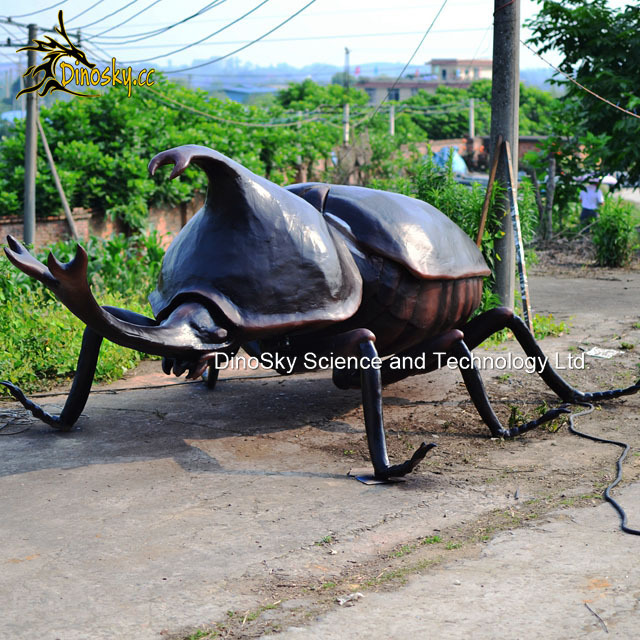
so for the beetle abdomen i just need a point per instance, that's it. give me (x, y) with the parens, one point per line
(402, 310)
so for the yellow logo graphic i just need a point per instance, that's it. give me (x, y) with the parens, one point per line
(84, 76)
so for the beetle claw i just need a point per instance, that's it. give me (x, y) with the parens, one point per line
(399, 470)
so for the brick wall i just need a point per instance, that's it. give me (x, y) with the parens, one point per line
(49, 230)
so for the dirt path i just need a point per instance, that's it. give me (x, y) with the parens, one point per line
(172, 509)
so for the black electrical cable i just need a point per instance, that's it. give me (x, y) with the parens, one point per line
(623, 455)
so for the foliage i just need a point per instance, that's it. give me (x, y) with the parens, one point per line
(600, 47)
(614, 235)
(101, 146)
(445, 113)
(308, 95)
(40, 339)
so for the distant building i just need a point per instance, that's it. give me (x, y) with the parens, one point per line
(443, 72)
(456, 71)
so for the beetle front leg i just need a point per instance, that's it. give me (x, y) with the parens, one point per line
(82, 379)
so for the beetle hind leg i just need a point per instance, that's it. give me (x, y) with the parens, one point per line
(488, 323)
(479, 397)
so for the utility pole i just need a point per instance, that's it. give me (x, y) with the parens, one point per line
(345, 124)
(392, 120)
(345, 108)
(505, 103)
(472, 119)
(346, 68)
(30, 148)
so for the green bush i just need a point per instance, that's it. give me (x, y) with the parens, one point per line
(40, 339)
(614, 235)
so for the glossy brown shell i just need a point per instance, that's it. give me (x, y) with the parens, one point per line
(403, 229)
(256, 254)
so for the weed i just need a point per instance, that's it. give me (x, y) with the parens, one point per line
(328, 539)
(329, 585)
(431, 540)
(627, 346)
(453, 545)
(614, 235)
(402, 551)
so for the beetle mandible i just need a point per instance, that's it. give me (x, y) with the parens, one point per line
(311, 268)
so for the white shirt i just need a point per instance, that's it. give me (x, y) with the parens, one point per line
(592, 197)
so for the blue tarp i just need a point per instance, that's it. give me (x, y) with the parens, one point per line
(441, 159)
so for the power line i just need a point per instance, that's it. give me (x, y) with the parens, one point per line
(33, 13)
(246, 46)
(299, 38)
(424, 37)
(85, 11)
(154, 32)
(593, 93)
(164, 55)
(113, 13)
(135, 15)
(183, 107)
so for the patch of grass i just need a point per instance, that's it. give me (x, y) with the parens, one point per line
(402, 551)
(431, 540)
(544, 326)
(452, 545)
(329, 585)
(627, 346)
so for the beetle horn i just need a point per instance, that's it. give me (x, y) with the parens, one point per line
(189, 331)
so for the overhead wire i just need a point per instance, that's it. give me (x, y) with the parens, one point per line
(154, 32)
(246, 46)
(395, 84)
(135, 15)
(113, 13)
(95, 4)
(230, 24)
(581, 86)
(33, 13)
(389, 34)
(174, 103)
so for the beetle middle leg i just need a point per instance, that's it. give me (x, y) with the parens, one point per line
(361, 342)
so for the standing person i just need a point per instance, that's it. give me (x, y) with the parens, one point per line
(591, 198)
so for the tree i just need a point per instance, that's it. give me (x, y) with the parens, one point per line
(600, 47)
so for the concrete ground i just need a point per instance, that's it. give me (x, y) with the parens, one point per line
(171, 509)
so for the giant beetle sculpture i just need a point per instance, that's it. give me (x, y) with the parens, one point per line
(311, 268)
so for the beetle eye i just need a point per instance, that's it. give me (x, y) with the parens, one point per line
(221, 333)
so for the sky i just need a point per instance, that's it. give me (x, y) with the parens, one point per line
(373, 30)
